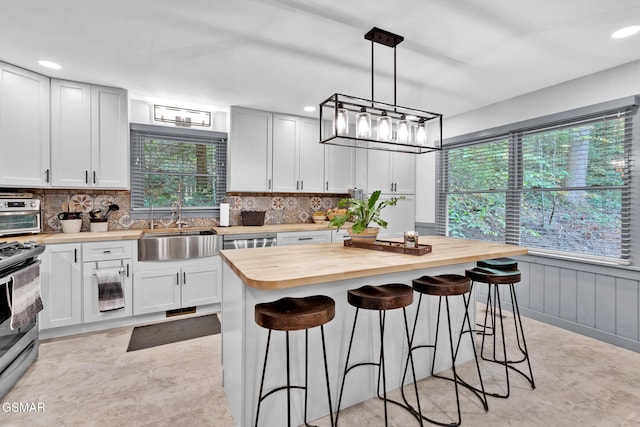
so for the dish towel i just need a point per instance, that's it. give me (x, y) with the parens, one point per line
(26, 301)
(110, 295)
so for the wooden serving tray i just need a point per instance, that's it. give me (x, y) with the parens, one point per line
(390, 246)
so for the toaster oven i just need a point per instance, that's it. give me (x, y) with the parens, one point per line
(19, 216)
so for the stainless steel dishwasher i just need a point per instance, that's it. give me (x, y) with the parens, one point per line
(244, 241)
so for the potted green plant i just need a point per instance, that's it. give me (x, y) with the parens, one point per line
(362, 213)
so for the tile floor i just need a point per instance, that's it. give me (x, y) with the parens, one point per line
(90, 380)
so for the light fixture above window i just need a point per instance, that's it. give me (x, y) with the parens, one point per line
(181, 116)
(397, 128)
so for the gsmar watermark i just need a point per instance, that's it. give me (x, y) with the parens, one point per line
(22, 407)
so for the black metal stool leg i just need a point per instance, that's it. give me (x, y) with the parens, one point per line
(288, 384)
(326, 374)
(346, 365)
(264, 369)
(381, 367)
(525, 351)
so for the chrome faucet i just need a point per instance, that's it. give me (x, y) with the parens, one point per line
(152, 224)
(177, 214)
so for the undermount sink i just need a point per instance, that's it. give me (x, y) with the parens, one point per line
(178, 245)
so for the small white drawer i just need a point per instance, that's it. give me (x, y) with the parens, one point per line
(303, 237)
(108, 250)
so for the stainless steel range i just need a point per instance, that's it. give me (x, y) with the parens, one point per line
(18, 346)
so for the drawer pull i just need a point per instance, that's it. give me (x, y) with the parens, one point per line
(106, 252)
(305, 238)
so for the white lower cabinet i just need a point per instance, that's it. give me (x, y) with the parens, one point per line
(168, 285)
(69, 285)
(61, 286)
(91, 306)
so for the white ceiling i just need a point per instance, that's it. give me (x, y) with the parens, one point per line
(281, 55)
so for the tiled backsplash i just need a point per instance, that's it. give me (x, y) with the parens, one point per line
(281, 208)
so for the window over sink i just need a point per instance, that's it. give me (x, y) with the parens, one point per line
(166, 161)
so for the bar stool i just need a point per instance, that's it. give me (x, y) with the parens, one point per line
(494, 278)
(294, 314)
(380, 298)
(445, 286)
(504, 264)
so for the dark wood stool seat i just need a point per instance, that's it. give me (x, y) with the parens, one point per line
(379, 298)
(493, 276)
(442, 285)
(382, 297)
(294, 314)
(507, 264)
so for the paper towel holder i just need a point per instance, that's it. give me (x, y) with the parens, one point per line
(224, 215)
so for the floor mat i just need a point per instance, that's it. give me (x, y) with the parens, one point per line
(173, 331)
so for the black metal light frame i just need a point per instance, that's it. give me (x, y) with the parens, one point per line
(329, 109)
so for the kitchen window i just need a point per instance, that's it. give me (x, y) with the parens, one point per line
(560, 187)
(169, 162)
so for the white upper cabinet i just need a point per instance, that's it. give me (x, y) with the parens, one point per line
(250, 150)
(339, 166)
(286, 133)
(311, 158)
(24, 128)
(70, 133)
(109, 138)
(391, 172)
(298, 158)
(274, 152)
(89, 136)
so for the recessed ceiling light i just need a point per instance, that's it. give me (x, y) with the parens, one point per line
(49, 64)
(309, 108)
(626, 32)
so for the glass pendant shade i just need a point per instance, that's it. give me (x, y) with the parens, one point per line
(421, 133)
(384, 127)
(403, 133)
(342, 121)
(363, 124)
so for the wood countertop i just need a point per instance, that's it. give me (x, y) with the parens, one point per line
(86, 236)
(290, 266)
(271, 228)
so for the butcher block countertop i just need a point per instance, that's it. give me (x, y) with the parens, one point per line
(290, 266)
(87, 236)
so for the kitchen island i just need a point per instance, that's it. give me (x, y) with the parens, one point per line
(252, 276)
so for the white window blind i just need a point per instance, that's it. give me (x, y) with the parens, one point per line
(164, 160)
(563, 186)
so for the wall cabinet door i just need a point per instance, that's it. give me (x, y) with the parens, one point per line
(109, 138)
(61, 283)
(298, 158)
(403, 167)
(286, 133)
(311, 157)
(91, 303)
(24, 128)
(155, 291)
(339, 168)
(89, 141)
(250, 150)
(201, 285)
(391, 172)
(70, 134)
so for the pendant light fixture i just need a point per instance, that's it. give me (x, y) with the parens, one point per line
(410, 135)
